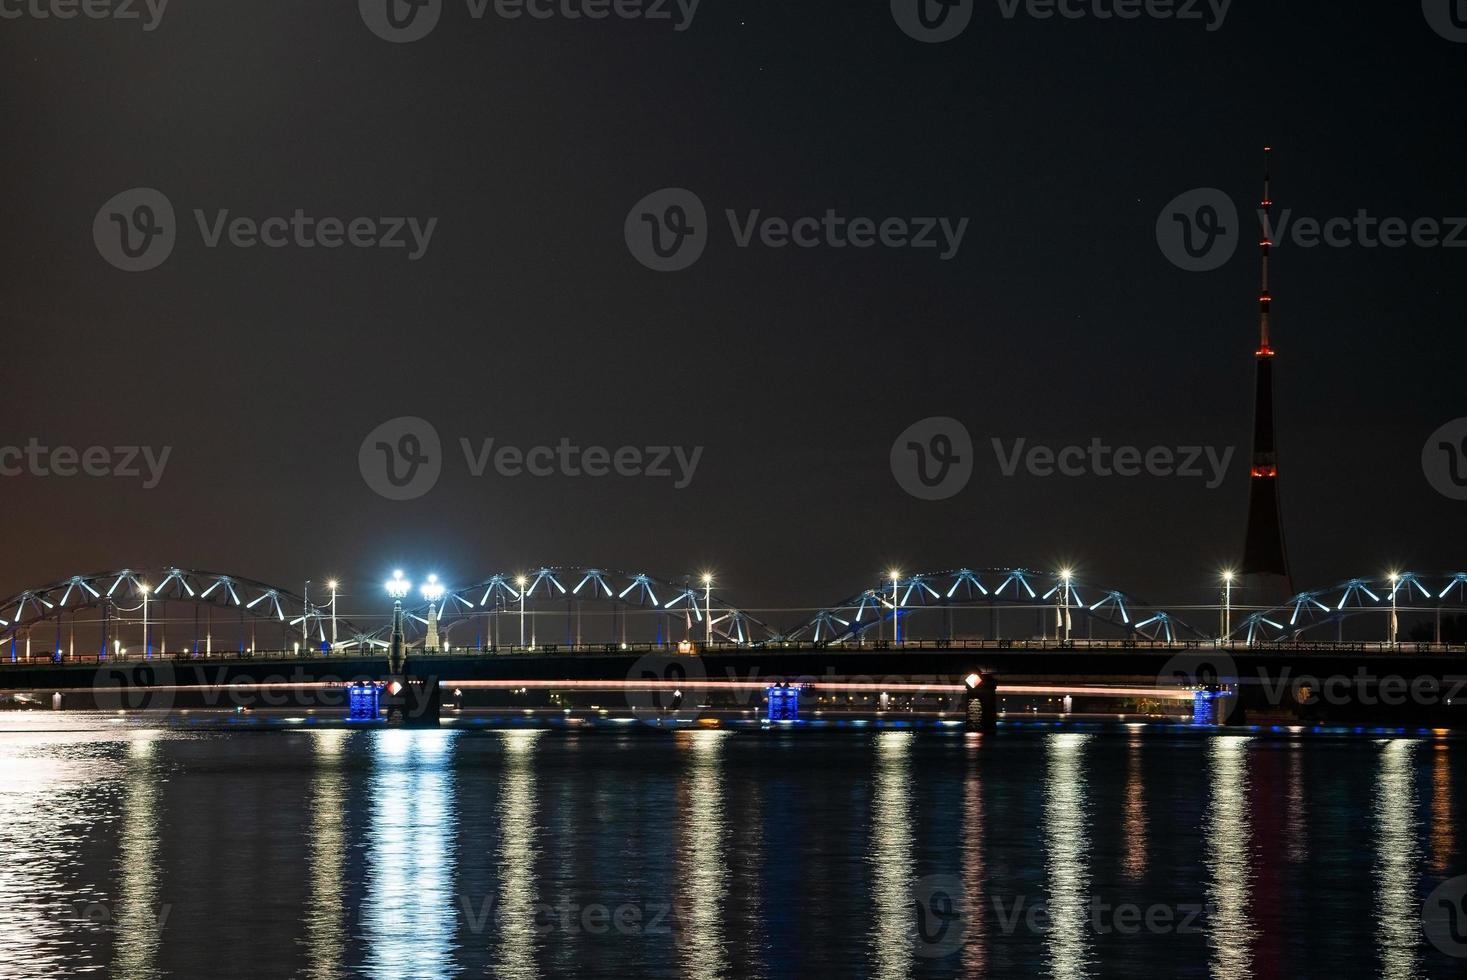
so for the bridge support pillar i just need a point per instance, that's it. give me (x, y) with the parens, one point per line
(1232, 707)
(784, 702)
(1215, 706)
(412, 702)
(364, 702)
(980, 702)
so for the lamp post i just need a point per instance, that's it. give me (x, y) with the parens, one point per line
(707, 610)
(1065, 576)
(1227, 609)
(332, 585)
(1395, 578)
(521, 582)
(147, 650)
(432, 591)
(397, 587)
(896, 620)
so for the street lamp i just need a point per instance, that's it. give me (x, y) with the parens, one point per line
(147, 650)
(1227, 610)
(432, 591)
(896, 621)
(332, 585)
(707, 609)
(522, 582)
(397, 587)
(1065, 576)
(1395, 578)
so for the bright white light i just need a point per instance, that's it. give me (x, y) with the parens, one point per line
(707, 578)
(331, 585)
(1066, 574)
(397, 586)
(432, 589)
(1228, 575)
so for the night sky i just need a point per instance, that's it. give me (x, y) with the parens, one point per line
(528, 320)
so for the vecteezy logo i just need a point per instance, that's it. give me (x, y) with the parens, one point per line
(1198, 231)
(663, 688)
(938, 907)
(667, 230)
(933, 459)
(1444, 459)
(143, 686)
(400, 21)
(1444, 914)
(135, 230)
(401, 458)
(1447, 17)
(932, 21)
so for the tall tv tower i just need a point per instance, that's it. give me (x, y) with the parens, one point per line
(1265, 560)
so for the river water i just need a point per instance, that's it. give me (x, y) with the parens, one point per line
(136, 851)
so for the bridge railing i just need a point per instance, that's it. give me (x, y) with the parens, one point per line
(1036, 645)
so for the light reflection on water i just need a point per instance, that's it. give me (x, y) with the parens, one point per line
(1135, 863)
(141, 915)
(1443, 838)
(1396, 857)
(409, 911)
(1227, 840)
(54, 788)
(1298, 819)
(373, 835)
(1067, 834)
(703, 878)
(891, 856)
(975, 950)
(518, 894)
(325, 937)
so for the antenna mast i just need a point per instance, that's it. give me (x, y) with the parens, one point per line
(1264, 349)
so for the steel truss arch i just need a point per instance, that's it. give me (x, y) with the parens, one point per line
(119, 596)
(557, 589)
(1409, 593)
(995, 589)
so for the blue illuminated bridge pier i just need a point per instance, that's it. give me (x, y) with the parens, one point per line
(579, 645)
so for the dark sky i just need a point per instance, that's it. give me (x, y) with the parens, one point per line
(1059, 320)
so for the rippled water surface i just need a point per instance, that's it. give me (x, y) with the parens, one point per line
(132, 851)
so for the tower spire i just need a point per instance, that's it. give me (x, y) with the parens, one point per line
(1266, 209)
(1264, 557)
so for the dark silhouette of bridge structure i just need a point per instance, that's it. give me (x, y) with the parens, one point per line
(142, 613)
(159, 638)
